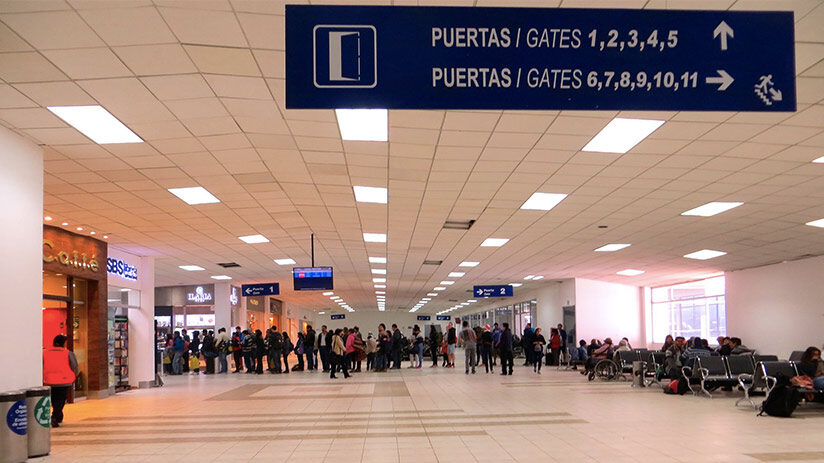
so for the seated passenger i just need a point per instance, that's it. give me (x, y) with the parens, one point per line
(724, 348)
(593, 346)
(623, 346)
(602, 353)
(672, 361)
(626, 341)
(696, 349)
(668, 342)
(811, 366)
(737, 348)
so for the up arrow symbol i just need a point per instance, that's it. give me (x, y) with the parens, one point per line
(724, 30)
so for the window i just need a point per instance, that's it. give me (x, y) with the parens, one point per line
(697, 308)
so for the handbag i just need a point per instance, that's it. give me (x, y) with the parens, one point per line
(538, 348)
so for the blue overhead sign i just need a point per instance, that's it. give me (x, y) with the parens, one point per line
(538, 58)
(424, 318)
(264, 289)
(338, 316)
(493, 291)
(444, 318)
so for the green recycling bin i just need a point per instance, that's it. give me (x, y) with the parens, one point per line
(13, 431)
(38, 411)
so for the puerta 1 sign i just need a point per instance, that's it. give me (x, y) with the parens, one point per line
(538, 58)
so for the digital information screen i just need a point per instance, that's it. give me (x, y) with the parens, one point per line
(312, 278)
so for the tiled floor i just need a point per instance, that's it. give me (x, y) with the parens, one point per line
(428, 415)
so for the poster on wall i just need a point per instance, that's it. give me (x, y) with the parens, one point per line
(180, 321)
(200, 320)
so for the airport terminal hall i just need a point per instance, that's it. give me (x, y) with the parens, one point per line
(411, 231)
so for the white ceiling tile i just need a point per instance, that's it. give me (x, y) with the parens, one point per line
(88, 63)
(128, 26)
(127, 99)
(52, 29)
(206, 27)
(264, 30)
(28, 67)
(11, 98)
(148, 60)
(178, 87)
(219, 60)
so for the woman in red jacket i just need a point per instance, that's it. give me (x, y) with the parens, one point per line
(59, 372)
(555, 345)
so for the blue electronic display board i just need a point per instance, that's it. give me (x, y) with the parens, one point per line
(538, 58)
(312, 278)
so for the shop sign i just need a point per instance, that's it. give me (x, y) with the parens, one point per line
(42, 411)
(121, 269)
(16, 418)
(76, 259)
(199, 296)
(233, 299)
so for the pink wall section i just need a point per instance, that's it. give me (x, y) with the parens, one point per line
(609, 310)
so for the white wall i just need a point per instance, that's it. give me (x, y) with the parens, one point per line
(778, 308)
(368, 321)
(21, 252)
(609, 310)
(142, 331)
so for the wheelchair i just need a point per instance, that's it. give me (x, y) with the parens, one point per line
(611, 369)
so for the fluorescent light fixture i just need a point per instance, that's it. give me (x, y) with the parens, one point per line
(539, 277)
(64, 223)
(464, 304)
(221, 277)
(96, 123)
(321, 313)
(713, 208)
(704, 254)
(379, 271)
(427, 299)
(471, 300)
(380, 292)
(334, 298)
(380, 286)
(370, 194)
(816, 223)
(79, 228)
(194, 195)
(47, 218)
(612, 247)
(124, 290)
(253, 239)
(621, 135)
(529, 277)
(363, 124)
(374, 237)
(494, 242)
(341, 303)
(432, 294)
(191, 268)
(328, 293)
(468, 263)
(630, 272)
(439, 288)
(285, 261)
(456, 274)
(515, 285)
(543, 201)
(377, 260)
(819, 160)
(447, 283)
(378, 280)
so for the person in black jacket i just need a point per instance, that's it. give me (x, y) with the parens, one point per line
(526, 343)
(260, 351)
(274, 344)
(396, 347)
(309, 348)
(287, 347)
(505, 346)
(325, 347)
(485, 342)
(209, 351)
(435, 340)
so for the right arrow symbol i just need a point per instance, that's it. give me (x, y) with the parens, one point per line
(724, 30)
(725, 80)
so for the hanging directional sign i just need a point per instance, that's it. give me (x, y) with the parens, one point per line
(493, 291)
(338, 316)
(538, 58)
(444, 318)
(424, 318)
(263, 289)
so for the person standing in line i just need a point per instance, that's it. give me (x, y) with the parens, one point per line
(194, 351)
(325, 347)
(538, 343)
(209, 351)
(338, 355)
(435, 339)
(249, 351)
(309, 348)
(496, 336)
(178, 346)
(237, 349)
(371, 349)
(505, 346)
(187, 341)
(416, 356)
(274, 344)
(486, 349)
(451, 342)
(299, 348)
(222, 342)
(287, 347)
(59, 372)
(360, 347)
(555, 346)
(469, 342)
(526, 343)
(168, 355)
(260, 351)
(396, 347)
(382, 355)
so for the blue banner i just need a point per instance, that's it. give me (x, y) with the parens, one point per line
(338, 316)
(424, 318)
(493, 291)
(263, 289)
(538, 58)
(444, 318)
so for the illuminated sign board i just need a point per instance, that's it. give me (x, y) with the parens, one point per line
(122, 269)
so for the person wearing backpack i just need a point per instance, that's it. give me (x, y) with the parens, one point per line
(396, 347)
(435, 339)
(338, 354)
(309, 342)
(249, 351)
(222, 342)
(274, 344)
(287, 347)
(299, 347)
(209, 351)
(236, 348)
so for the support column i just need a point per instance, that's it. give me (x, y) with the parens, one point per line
(223, 307)
(21, 273)
(142, 330)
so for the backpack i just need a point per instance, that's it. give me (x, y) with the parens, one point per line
(677, 386)
(782, 399)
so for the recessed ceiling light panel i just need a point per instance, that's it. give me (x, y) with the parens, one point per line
(704, 254)
(543, 201)
(713, 208)
(363, 124)
(374, 237)
(194, 195)
(621, 135)
(221, 277)
(630, 272)
(468, 263)
(370, 194)
(494, 242)
(285, 261)
(253, 239)
(377, 260)
(456, 274)
(612, 247)
(192, 268)
(96, 123)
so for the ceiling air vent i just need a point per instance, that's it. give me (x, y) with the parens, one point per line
(458, 225)
(228, 264)
(432, 262)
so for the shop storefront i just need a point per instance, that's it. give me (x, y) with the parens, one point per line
(185, 307)
(255, 313)
(74, 305)
(125, 279)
